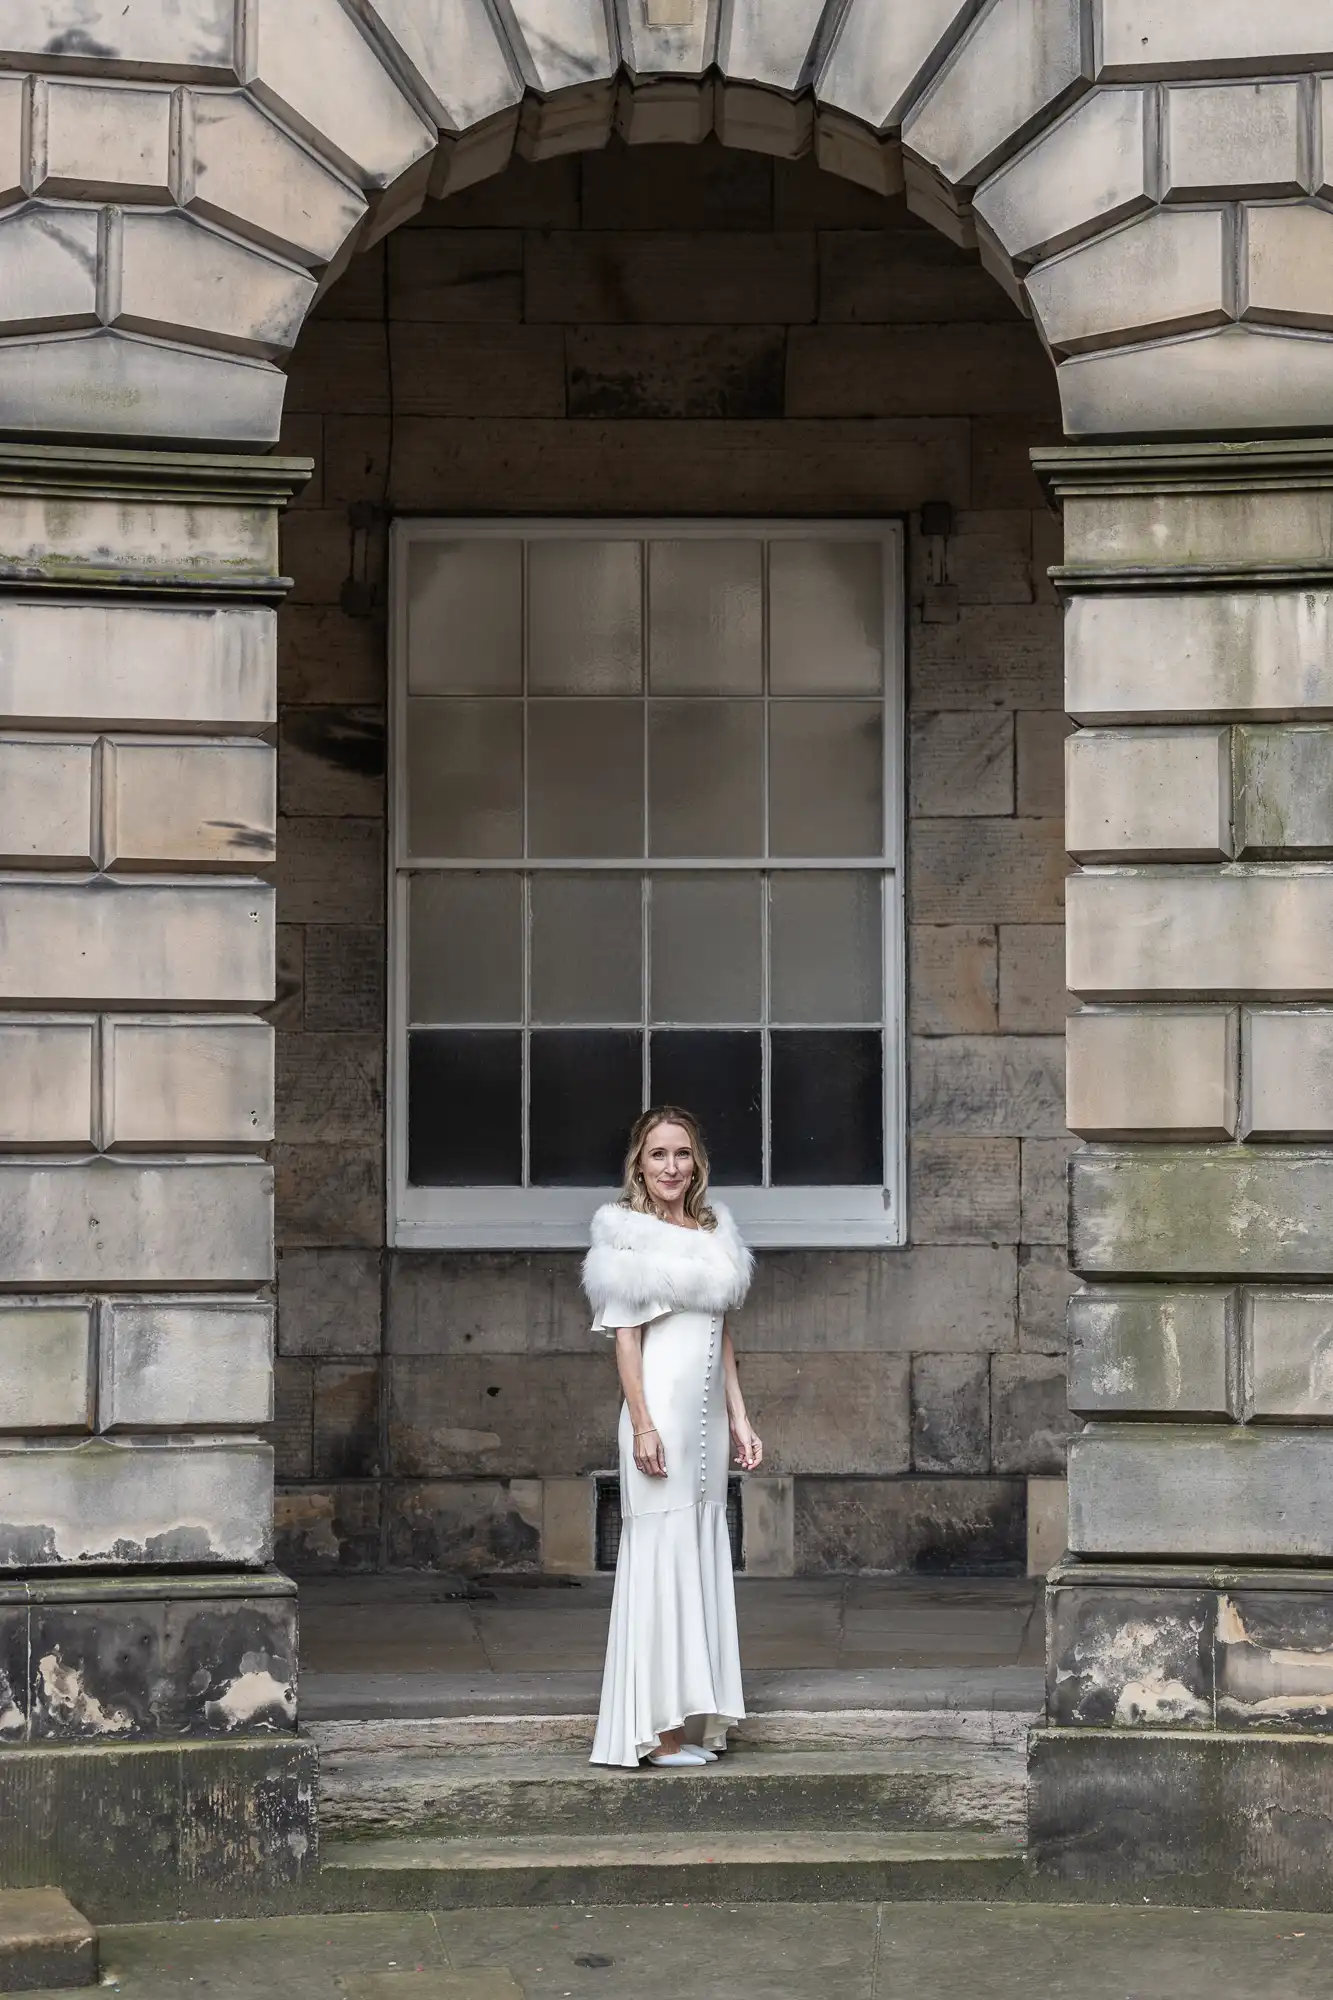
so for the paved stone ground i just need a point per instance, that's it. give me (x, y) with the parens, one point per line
(378, 1645)
(921, 1951)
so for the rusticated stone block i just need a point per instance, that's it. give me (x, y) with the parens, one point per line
(1203, 1212)
(1171, 1491)
(1167, 656)
(1232, 139)
(152, 1222)
(246, 173)
(1030, 1421)
(1287, 1356)
(115, 143)
(46, 802)
(1129, 1657)
(322, 1529)
(1288, 1074)
(126, 943)
(108, 1504)
(46, 1364)
(1164, 792)
(186, 1080)
(950, 1413)
(1273, 1653)
(181, 393)
(1153, 1073)
(931, 1526)
(329, 1302)
(1180, 932)
(491, 1524)
(1284, 783)
(1151, 1352)
(1084, 174)
(185, 1364)
(207, 804)
(1163, 273)
(47, 1085)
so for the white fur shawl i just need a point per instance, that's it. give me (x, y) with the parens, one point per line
(637, 1260)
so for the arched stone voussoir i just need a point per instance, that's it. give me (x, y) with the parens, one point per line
(192, 39)
(239, 168)
(1164, 273)
(107, 384)
(178, 278)
(1083, 175)
(48, 267)
(1234, 381)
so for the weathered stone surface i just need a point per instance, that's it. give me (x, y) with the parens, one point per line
(1153, 1073)
(44, 1942)
(1284, 281)
(568, 1526)
(989, 1085)
(1273, 1657)
(1084, 174)
(330, 1087)
(666, 278)
(58, 528)
(1001, 656)
(344, 968)
(953, 981)
(1169, 656)
(964, 1190)
(1287, 1356)
(473, 1525)
(329, 1193)
(1178, 932)
(185, 1364)
(1045, 1190)
(119, 943)
(287, 1014)
(1153, 792)
(332, 761)
(735, 372)
(1040, 743)
(527, 1416)
(240, 169)
(1287, 1067)
(291, 1432)
(956, 1300)
(878, 57)
(987, 870)
(186, 1080)
(1156, 38)
(1030, 1421)
(114, 1659)
(205, 804)
(767, 1521)
(1283, 781)
(457, 57)
(47, 1080)
(1204, 1211)
(1045, 1283)
(950, 1413)
(861, 371)
(179, 279)
(882, 273)
(961, 765)
(319, 1529)
(931, 1526)
(1033, 1000)
(49, 255)
(1162, 273)
(1048, 1524)
(330, 871)
(46, 802)
(1129, 1658)
(835, 1414)
(1173, 1491)
(1198, 522)
(328, 1302)
(55, 384)
(46, 1364)
(488, 1302)
(98, 665)
(347, 103)
(100, 1504)
(1232, 139)
(1235, 378)
(156, 1222)
(1018, 63)
(1151, 1352)
(346, 1420)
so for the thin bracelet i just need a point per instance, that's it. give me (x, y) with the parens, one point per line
(650, 1432)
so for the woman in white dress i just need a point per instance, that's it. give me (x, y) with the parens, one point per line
(663, 1270)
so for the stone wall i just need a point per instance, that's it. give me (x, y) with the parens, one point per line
(696, 331)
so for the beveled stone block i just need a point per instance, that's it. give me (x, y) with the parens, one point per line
(72, 940)
(1171, 1491)
(1082, 175)
(46, 1365)
(97, 665)
(196, 37)
(1153, 1073)
(1288, 1072)
(1233, 138)
(13, 111)
(347, 102)
(1284, 790)
(92, 538)
(187, 1080)
(47, 1080)
(1159, 38)
(123, 1222)
(54, 384)
(1232, 529)
(1129, 1656)
(1285, 279)
(46, 791)
(1228, 380)
(1175, 933)
(1287, 1356)
(1274, 1657)
(1018, 62)
(209, 804)
(1169, 657)
(48, 256)
(242, 170)
(1151, 1351)
(185, 1364)
(181, 280)
(460, 58)
(1152, 792)
(105, 1504)
(91, 142)
(1163, 273)
(1204, 1212)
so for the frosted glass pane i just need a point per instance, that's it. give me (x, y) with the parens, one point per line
(465, 948)
(706, 948)
(705, 778)
(465, 618)
(464, 778)
(585, 618)
(826, 778)
(585, 779)
(706, 617)
(827, 949)
(826, 617)
(587, 949)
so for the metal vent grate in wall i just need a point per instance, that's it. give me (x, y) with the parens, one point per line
(607, 1544)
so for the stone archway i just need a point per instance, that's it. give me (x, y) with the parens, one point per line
(1152, 186)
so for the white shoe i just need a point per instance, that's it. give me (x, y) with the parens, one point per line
(705, 1756)
(676, 1760)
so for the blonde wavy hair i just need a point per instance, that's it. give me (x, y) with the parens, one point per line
(634, 1192)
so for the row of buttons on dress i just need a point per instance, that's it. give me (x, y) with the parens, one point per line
(703, 1423)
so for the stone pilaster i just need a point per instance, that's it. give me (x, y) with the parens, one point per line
(1190, 1628)
(138, 596)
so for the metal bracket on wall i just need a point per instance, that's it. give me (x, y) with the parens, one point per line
(362, 594)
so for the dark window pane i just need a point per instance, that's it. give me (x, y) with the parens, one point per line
(828, 1108)
(719, 1077)
(587, 1090)
(465, 1108)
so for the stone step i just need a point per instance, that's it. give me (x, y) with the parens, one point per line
(769, 1866)
(44, 1943)
(912, 1787)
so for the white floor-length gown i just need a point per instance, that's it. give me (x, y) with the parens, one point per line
(672, 1654)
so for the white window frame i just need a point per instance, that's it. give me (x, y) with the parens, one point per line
(509, 1218)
